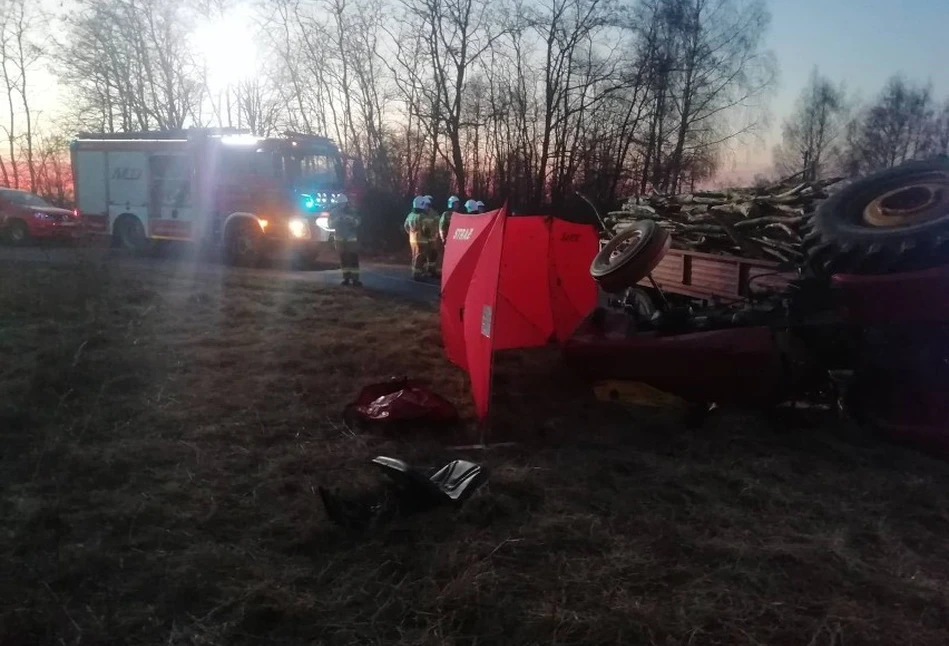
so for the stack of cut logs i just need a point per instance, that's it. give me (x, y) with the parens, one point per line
(762, 223)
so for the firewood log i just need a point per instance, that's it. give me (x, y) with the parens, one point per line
(755, 222)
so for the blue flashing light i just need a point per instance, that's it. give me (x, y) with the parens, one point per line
(317, 201)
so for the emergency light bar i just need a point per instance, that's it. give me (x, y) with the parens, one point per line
(313, 201)
(239, 140)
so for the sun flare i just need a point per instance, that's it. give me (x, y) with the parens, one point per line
(226, 47)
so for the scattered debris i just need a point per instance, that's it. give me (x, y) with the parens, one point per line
(400, 400)
(636, 393)
(407, 491)
(762, 223)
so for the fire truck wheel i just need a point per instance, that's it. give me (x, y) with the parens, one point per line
(890, 221)
(630, 256)
(16, 233)
(242, 244)
(129, 234)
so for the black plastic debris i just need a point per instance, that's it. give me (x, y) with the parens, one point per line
(406, 491)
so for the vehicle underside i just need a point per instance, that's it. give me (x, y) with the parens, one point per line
(864, 326)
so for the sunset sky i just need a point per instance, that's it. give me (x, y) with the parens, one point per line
(859, 42)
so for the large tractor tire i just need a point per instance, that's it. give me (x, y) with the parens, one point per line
(894, 220)
(630, 256)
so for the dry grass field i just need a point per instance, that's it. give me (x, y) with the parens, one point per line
(163, 433)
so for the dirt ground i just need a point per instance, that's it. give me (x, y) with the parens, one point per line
(163, 435)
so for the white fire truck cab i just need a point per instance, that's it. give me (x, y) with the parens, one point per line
(250, 195)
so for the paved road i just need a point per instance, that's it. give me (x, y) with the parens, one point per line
(388, 278)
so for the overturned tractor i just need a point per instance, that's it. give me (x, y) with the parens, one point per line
(861, 317)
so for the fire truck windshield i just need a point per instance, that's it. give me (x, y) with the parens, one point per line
(312, 171)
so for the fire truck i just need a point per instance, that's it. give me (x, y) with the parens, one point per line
(246, 195)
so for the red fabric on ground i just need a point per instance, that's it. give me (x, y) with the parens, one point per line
(401, 400)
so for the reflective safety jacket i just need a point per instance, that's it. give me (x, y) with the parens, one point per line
(345, 221)
(444, 223)
(422, 226)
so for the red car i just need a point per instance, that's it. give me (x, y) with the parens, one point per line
(25, 216)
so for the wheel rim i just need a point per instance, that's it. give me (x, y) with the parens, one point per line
(922, 200)
(624, 246)
(17, 234)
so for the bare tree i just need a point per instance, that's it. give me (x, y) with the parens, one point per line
(258, 106)
(54, 179)
(898, 127)
(10, 83)
(529, 99)
(19, 55)
(510, 114)
(941, 130)
(455, 34)
(707, 63)
(811, 133)
(575, 79)
(129, 65)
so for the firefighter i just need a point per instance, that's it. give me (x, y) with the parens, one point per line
(421, 225)
(454, 206)
(434, 244)
(410, 226)
(344, 220)
(474, 206)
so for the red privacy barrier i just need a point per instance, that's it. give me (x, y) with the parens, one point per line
(512, 282)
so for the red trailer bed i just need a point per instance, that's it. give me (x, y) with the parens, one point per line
(713, 277)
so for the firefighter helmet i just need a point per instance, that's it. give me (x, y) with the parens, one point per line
(453, 201)
(471, 206)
